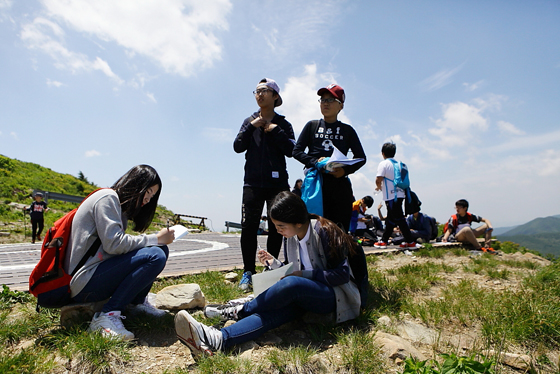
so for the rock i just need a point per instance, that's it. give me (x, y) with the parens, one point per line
(78, 313)
(269, 339)
(416, 332)
(181, 296)
(231, 277)
(384, 321)
(517, 361)
(396, 347)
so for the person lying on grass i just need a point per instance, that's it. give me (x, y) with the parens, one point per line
(319, 284)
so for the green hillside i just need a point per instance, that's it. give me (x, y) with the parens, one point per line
(18, 179)
(537, 226)
(546, 243)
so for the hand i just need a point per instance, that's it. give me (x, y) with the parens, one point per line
(444, 240)
(165, 236)
(259, 122)
(269, 127)
(264, 257)
(337, 172)
(297, 273)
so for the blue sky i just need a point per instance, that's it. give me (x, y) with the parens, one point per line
(468, 90)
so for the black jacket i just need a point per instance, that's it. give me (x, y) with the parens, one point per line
(265, 152)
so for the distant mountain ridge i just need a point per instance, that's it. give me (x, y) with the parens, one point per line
(540, 234)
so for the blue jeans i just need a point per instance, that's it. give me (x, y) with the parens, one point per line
(126, 279)
(286, 300)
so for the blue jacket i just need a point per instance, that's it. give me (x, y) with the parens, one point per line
(422, 225)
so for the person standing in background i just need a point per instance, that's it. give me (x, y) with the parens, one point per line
(36, 211)
(267, 139)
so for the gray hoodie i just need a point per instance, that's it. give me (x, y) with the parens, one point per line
(99, 216)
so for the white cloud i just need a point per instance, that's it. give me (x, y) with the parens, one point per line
(508, 128)
(92, 153)
(460, 123)
(291, 27)
(179, 35)
(440, 79)
(151, 96)
(300, 98)
(529, 142)
(14, 135)
(474, 86)
(5, 4)
(48, 37)
(52, 83)
(367, 131)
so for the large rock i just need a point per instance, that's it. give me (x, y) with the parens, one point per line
(181, 296)
(396, 347)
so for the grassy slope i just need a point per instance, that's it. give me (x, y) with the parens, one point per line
(18, 179)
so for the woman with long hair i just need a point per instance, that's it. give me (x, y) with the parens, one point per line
(320, 282)
(125, 266)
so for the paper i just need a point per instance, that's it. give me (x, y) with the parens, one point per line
(338, 159)
(263, 281)
(180, 231)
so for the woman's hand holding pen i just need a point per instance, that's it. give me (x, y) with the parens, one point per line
(166, 236)
(264, 257)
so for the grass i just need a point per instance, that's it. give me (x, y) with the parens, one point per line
(526, 316)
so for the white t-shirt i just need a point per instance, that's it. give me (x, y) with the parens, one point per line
(360, 225)
(387, 171)
(303, 255)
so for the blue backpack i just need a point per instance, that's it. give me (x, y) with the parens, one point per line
(401, 177)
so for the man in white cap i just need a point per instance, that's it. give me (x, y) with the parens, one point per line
(320, 137)
(267, 139)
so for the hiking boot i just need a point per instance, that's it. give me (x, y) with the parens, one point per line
(225, 312)
(246, 282)
(200, 339)
(146, 308)
(110, 325)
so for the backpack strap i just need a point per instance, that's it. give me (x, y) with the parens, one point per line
(91, 252)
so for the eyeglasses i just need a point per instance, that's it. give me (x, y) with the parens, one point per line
(262, 91)
(330, 100)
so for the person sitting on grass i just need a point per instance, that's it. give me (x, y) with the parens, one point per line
(125, 266)
(459, 225)
(320, 282)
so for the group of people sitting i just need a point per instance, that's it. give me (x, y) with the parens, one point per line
(368, 229)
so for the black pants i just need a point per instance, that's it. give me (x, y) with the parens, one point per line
(251, 212)
(395, 217)
(36, 228)
(337, 200)
(366, 233)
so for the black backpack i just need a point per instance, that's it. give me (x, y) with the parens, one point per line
(434, 225)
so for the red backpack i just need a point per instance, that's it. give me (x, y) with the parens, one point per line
(455, 221)
(48, 280)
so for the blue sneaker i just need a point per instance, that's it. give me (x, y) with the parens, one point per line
(246, 281)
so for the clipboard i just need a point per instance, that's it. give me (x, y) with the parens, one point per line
(263, 281)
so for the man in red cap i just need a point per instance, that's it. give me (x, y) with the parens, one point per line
(267, 139)
(320, 137)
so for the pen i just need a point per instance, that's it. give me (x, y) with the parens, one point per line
(265, 261)
(168, 224)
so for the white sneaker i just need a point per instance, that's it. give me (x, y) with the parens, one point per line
(241, 300)
(225, 312)
(146, 308)
(110, 325)
(200, 339)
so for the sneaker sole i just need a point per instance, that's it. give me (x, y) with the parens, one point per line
(111, 335)
(187, 335)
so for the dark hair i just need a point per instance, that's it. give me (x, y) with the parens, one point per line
(389, 149)
(287, 207)
(297, 181)
(462, 203)
(131, 189)
(368, 200)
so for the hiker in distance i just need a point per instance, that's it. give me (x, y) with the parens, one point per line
(320, 283)
(267, 139)
(395, 215)
(125, 266)
(320, 137)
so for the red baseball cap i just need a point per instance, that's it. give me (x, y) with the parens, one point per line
(335, 90)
